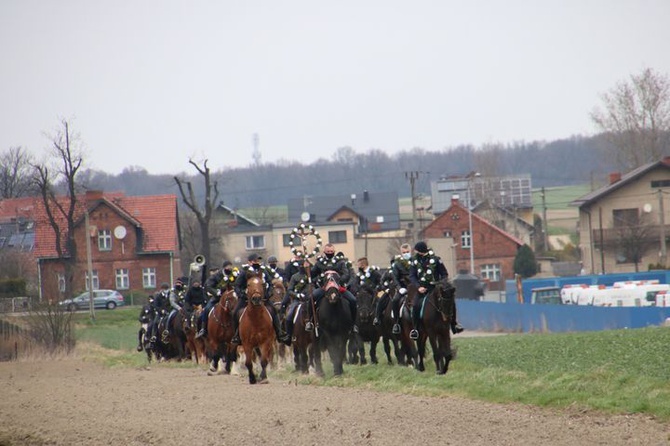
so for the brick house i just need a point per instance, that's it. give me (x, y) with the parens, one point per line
(134, 245)
(494, 249)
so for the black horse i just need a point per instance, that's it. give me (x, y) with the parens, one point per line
(367, 331)
(146, 317)
(436, 317)
(390, 339)
(335, 324)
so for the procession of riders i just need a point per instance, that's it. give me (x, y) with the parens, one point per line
(185, 307)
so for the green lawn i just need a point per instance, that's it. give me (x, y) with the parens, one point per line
(618, 371)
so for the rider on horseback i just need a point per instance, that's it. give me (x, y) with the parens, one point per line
(326, 263)
(176, 301)
(161, 304)
(426, 271)
(254, 266)
(215, 285)
(194, 297)
(400, 267)
(298, 289)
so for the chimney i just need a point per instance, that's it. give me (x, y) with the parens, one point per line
(455, 199)
(614, 177)
(92, 195)
(366, 196)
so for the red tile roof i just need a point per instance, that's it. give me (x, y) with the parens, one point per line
(156, 215)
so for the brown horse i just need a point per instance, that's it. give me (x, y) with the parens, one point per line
(277, 293)
(256, 329)
(195, 347)
(436, 317)
(220, 331)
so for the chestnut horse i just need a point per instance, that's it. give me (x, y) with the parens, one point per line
(195, 347)
(257, 332)
(220, 331)
(436, 316)
(277, 293)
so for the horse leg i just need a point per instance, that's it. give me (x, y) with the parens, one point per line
(249, 363)
(140, 339)
(373, 350)
(421, 347)
(387, 349)
(315, 353)
(437, 353)
(361, 349)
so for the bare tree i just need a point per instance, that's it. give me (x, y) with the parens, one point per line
(15, 173)
(60, 212)
(203, 216)
(635, 238)
(635, 118)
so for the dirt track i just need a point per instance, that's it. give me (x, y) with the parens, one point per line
(71, 402)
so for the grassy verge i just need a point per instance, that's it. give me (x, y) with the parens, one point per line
(618, 371)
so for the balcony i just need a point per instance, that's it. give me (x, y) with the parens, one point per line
(644, 234)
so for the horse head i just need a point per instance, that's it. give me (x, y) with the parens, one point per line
(277, 292)
(333, 292)
(228, 300)
(255, 290)
(365, 299)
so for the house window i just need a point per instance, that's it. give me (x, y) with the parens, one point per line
(149, 277)
(491, 272)
(465, 239)
(122, 279)
(105, 240)
(255, 241)
(337, 236)
(61, 282)
(446, 234)
(96, 281)
(286, 239)
(625, 217)
(660, 183)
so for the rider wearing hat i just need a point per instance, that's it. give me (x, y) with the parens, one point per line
(425, 272)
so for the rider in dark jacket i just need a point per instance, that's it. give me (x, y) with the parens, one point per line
(219, 281)
(426, 271)
(329, 262)
(161, 303)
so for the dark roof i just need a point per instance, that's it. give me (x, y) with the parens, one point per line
(591, 197)
(368, 205)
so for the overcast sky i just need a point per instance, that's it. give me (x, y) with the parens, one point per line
(152, 83)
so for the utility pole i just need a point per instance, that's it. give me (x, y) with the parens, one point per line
(545, 226)
(661, 222)
(412, 177)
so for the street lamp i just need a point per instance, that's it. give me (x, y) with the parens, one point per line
(470, 176)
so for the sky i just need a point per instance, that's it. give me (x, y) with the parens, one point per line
(154, 83)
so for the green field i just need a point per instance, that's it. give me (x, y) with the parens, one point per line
(619, 371)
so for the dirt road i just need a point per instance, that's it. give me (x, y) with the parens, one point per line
(71, 402)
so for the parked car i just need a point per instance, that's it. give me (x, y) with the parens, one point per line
(109, 299)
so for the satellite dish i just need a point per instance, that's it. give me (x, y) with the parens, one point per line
(305, 216)
(646, 208)
(120, 232)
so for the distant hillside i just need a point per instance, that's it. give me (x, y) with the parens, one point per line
(573, 161)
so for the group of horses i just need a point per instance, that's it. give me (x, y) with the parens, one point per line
(332, 332)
